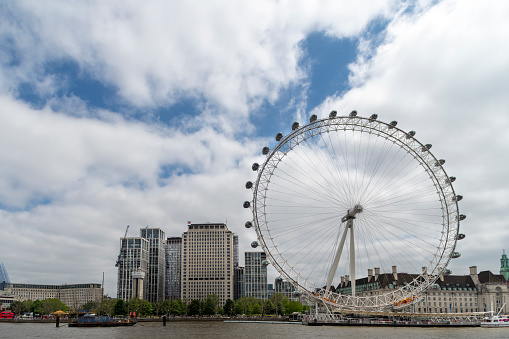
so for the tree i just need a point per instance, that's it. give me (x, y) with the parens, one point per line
(36, 307)
(52, 305)
(293, 306)
(165, 307)
(279, 300)
(194, 308)
(107, 307)
(16, 307)
(228, 307)
(238, 309)
(120, 308)
(208, 307)
(145, 308)
(135, 305)
(268, 307)
(255, 309)
(177, 307)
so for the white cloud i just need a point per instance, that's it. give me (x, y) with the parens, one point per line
(231, 53)
(443, 73)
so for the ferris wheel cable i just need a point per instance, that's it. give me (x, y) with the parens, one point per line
(368, 162)
(394, 183)
(412, 233)
(306, 238)
(326, 193)
(283, 225)
(293, 193)
(336, 182)
(386, 230)
(381, 159)
(322, 258)
(318, 256)
(397, 249)
(425, 229)
(336, 161)
(389, 169)
(312, 165)
(294, 228)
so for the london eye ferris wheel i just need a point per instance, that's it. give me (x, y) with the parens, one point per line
(345, 194)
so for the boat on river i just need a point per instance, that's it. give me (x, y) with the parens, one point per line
(496, 320)
(91, 320)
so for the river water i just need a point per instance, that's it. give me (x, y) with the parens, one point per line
(213, 329)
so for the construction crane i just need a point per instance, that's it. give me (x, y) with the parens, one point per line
(120, 254)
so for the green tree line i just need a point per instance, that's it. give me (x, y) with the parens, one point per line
(277, 304)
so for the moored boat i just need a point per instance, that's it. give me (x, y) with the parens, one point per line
(496, 320)
(91, 320)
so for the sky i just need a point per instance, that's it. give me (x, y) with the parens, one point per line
(116, 113)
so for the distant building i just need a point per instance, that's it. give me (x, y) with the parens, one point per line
(74, 295)
(255, 275)
(238, 282)
(6, 300)
(270, 290)
(285, 288)
(134, 257)
(156, 269)
(504, 266)
(173, 267)
(476, 292)
(4, 277)
(207, 262)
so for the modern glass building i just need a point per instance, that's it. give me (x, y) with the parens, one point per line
(173, 268)
(255, 275)
(286, 289)
(134, 257)
(238, 282)
(156, 269)
(207, 262)
(4, 277)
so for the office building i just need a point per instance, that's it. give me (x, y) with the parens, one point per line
(4, 277)
(73, 295)
(238, 282)
(285, 288)
(134, 257)
(207, 262)
(255, 275)
(476, 292)
(155, 274)
(173, 267)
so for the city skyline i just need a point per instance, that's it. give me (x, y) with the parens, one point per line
(118, 114)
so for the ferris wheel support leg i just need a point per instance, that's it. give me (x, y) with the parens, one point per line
(336, 260)
(352, 257)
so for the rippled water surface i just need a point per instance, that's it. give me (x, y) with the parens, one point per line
(205, 330)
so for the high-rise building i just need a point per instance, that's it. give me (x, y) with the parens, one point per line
(207, 262)
(155, 275)
(286, 289)
(4, 277)
(173, 267)
(255, 275)
(134, 256)
(238, 282)
(235, 250)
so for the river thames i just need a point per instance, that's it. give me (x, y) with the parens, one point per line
(210, 329)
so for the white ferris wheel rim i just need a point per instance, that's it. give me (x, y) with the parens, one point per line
(406, 141)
